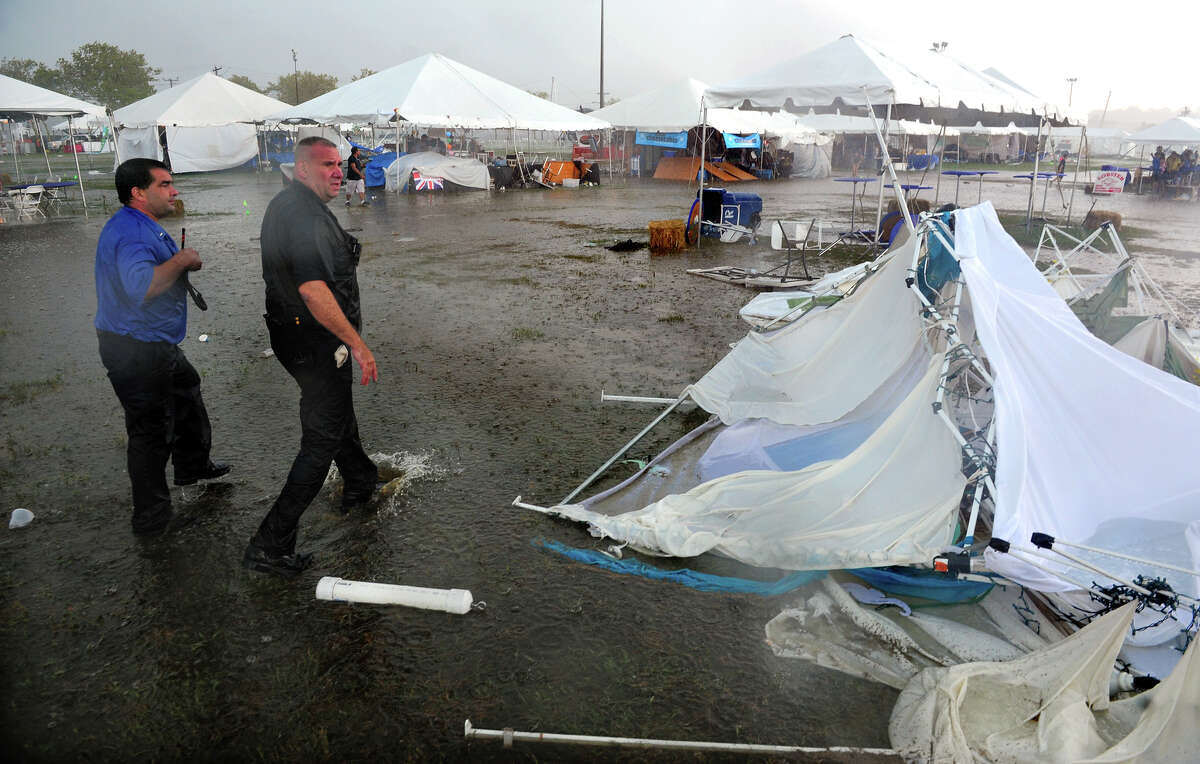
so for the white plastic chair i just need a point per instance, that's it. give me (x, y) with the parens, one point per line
(27, 202)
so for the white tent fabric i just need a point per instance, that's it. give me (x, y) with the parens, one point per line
(1177, 131)
(1052, 705)
(848, 124)
(855, 71)
(329, 133)
(465, 172)
(1095, 446)
(892, 501)
(209, 122)
(819, 369)
(435, 91)
(204, 101)
(18, 99)
(671, 108)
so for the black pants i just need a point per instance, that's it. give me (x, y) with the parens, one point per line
(164, 418)
(329, 432)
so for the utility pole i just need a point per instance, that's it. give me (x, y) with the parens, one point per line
(1071, 89)
(170, 81)
(296, 75)
(601, 54)
(217, 70)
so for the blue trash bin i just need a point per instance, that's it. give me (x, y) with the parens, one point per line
(729, 208)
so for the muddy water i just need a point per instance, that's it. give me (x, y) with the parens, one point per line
(496, 320)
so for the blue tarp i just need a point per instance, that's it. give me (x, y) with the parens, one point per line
(666, 140)
(742, 141)
(928, 585)
(373, 171)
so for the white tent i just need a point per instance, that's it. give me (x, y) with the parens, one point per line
(464, 172)
(1177, 131)
(671, 108)
(854, 71)
(434, 91)
(209, 123)
(21, 100)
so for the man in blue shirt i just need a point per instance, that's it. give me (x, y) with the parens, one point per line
(141, 316)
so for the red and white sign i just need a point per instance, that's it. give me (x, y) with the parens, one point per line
(1109, 182)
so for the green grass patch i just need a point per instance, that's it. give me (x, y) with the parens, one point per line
(23, 392)
(583, 258)
(674, 318)
(522, 333)
(519, 281)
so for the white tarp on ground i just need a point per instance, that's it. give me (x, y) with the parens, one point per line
(817, 370)
(892, 501)
(1095, 447)
(1049, 706)
(435, 91)
(209, 123)
(465, 172)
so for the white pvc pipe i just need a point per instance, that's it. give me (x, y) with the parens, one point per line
(457, 601)
(1140, 560)
(510, 736)
(634, 399)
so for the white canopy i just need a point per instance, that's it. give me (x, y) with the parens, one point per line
(854, 71)
(1177, 131)
(669, 109)
(848, 124)
(19, 99)
(468, 173)
(206, 101)
(434, 91)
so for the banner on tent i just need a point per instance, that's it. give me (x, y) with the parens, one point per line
(666, 140)
(742, 141)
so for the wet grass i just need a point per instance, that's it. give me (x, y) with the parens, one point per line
(583, 258)
(17, 393)
(523, 333)
(674, 318)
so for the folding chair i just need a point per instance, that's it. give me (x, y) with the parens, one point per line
(27, 202)
(792, 236)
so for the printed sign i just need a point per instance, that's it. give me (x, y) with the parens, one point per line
(741, 141)
(666, 140)
(1109, 182)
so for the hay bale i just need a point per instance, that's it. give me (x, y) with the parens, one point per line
(178, 211)
(1097, 218)
(666, 237)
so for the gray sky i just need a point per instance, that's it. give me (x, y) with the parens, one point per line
(648, 43)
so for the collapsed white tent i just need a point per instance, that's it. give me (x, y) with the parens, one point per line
(209, 123)
(467, 173)
(435, 91)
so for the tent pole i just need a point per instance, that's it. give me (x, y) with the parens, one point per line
(1141, 170)
(1083, 145)
(938, 189)
(12, 135)
(45, 154)
(1037, 154)
(887, 159)
(703, 146)
(78, 172)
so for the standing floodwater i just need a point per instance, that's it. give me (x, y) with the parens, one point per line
(496, 319)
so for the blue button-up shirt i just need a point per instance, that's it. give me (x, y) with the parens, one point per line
(130, 245)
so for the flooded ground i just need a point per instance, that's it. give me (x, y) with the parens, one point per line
(496, 319)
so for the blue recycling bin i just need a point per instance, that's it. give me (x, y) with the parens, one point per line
(727, 208)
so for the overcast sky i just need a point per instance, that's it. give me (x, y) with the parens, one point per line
(1122, 48)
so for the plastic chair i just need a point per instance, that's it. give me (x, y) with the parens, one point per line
(27, 202)
(792, 236)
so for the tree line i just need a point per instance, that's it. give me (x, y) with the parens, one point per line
(103, 74)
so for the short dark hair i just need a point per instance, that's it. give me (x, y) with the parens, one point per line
(135, 173)
(304, 146)
(354, 149)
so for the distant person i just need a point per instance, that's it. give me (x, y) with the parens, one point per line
(141, 317)
(355, 179)
(313, 316)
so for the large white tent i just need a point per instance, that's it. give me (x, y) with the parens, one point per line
(1177, 131)
(669, 109)
(435, 91)
(855, 72)
(209, 123)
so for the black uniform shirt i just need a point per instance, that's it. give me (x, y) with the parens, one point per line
(302, 241)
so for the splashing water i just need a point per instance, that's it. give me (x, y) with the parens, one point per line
(399, 470)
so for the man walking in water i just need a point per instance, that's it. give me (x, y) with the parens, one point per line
(355, 179)
(141, 317)
(313, 316)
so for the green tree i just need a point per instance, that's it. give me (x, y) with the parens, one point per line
(365, 72)
(33, 72)
(311, 86)
(246, 82)
(106, 75)
(539, 94)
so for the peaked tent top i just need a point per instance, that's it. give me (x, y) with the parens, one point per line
(854, 71)
(204, 101)
(19, 99)
(435, 91)
(1175, 131)
(670, 108)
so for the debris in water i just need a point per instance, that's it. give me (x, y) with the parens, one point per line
(20, 518)
(203, 338)
(629, 245)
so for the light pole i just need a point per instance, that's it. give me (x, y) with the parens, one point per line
(296, 75)
(601, 54)
(1070, 89)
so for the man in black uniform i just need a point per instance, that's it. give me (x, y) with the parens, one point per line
(355, 179)
(313, 316)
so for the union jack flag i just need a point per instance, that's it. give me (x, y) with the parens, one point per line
(425, 182)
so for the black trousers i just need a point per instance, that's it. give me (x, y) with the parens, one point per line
(164, 418)
(329, 431)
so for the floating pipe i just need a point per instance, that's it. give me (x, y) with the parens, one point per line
(510, 736)
(333, 589)
(604, 397)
